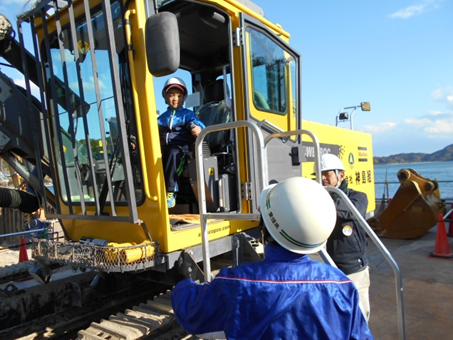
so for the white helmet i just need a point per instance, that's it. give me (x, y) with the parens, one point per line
(299, 214)
(174, 82)
(331, 162)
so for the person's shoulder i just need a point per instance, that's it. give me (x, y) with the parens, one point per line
(329, 272)
(164, 113)
(357, 193)
(186, 111)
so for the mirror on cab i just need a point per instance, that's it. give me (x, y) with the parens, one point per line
(365, 106)
(162, 44)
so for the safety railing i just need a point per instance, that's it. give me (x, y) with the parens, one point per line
(262, 182)
(384, 251)
(325, 256)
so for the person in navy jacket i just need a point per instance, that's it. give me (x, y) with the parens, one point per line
(347, 244)
(286, 296)
(178, 129)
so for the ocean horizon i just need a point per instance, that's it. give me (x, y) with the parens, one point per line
(440, 171)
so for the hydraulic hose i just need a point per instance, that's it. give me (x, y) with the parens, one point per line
(22, 200)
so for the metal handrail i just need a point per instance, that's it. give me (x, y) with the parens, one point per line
(31, 231)
(301, 132)
(262, 156)
(204, 215)
(387, 256)
(323, 252)
(363, 223)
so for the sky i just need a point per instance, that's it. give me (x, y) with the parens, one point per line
(397, 55)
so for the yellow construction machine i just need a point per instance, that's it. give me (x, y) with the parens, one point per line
(91, 126)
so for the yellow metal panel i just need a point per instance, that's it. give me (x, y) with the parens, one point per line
(216, 229)
(354, 148)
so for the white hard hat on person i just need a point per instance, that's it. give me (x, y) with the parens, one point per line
(331, 162)
(299, 214)
(174, 82)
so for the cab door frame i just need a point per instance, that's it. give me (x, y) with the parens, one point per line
(282, 153)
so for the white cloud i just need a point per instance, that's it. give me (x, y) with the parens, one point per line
(437, 94)
(444, 95)
(437, 124)
(444, 126)
(414, 10)
(380, 127)
(417, 122)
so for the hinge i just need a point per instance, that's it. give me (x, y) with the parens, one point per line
(246, 191)
(238, 37)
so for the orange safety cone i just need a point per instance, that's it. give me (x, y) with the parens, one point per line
(23, 255)
(442, 247)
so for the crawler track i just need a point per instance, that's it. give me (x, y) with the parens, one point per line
(71, 303)
(119, 306)
(151, 320)
(90, 305)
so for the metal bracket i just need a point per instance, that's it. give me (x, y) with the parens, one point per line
(238, 37)
(242, 245)
(246, 190)
(189, 268)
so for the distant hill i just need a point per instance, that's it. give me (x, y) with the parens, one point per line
(446, 154)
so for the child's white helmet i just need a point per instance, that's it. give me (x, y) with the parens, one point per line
(174, 82)
(299, 214)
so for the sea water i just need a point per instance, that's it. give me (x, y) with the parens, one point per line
(442, 171)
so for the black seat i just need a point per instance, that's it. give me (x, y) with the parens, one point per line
(213, 92)
(215, 111)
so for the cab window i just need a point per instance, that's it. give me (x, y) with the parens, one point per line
(269, 80)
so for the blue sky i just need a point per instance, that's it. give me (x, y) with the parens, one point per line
(397, 55)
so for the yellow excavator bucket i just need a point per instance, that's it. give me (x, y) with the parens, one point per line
(414, 209)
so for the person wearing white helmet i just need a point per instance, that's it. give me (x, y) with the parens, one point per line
(285, 296)
(178, 129)
(348, 242)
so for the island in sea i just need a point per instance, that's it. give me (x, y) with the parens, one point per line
(444, 155)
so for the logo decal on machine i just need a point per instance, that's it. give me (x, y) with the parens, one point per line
(351, 159)
(363, 153)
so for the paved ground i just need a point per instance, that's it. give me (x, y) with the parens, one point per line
(427, 290)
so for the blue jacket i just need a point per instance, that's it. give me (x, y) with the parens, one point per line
(287, 296)
(175, 126)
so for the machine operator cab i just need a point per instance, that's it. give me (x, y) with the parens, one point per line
(240, 70)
